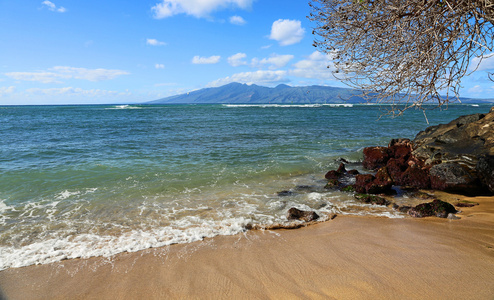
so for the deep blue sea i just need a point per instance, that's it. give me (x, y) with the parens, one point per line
(82, 181)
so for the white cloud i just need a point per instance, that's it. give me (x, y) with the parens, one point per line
(237, 59)
(51, 6)
(206, 60)
(43, 77)
(237, 20)
(89, 74)
(315, 66)
(477, 89)
(159, 66)
(6, 90)
(154, 42)
(275, 61)
(257, 77)
(70, 91)
(484, 63)
(287, 32)
(196, 8)
(53, 75)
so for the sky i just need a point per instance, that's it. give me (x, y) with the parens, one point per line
(97, 52)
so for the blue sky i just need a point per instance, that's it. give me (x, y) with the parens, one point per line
(73, 52)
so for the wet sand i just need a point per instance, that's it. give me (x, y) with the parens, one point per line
(346, 258)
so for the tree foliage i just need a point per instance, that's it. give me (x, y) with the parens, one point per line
(404, 52)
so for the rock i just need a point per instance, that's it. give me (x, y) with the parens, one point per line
(467, 142)
(375, 157)
(465, 203)
(485, 168)
(285, 193)
(383, 178)
(372, 199)
(297, 214)
(436, 208)
(401, 149)
(353, 172)
(341, 169)
(453, 177)
(363, 183)
(396, 167)
(332, 184)
(333, 175)
(415, 177)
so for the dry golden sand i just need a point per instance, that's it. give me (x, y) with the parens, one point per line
(347, 258)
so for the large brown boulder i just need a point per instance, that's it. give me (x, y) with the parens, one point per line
(375, 157)
(459, 154)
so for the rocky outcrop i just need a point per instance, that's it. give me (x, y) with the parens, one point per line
(460, 154)
(455, 157)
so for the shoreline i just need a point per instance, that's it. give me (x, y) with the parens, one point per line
(348, 257)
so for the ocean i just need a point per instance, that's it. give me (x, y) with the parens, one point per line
(84, 181)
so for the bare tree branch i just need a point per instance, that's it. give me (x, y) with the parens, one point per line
(404, 53)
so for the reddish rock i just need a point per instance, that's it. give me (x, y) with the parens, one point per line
(332, 175)
(383, 177)
(341, 169)
(362, 181)
(368, 184)
(401, 151)
(415, 177)
(396, 167)
(353, 172)
(375, 157)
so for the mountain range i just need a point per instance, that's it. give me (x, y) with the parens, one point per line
(238, 93)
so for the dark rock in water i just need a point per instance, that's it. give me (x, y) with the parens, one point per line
(453, 177)
(343, 160)
(304, 187)
(333, 175)
(372, 199)
(362, 182)
(436, 208)
(368, 184)
(341, 169)
(332, 184)
(485, 168)
(353, 172)
(286, 193)
(375, 157)
(297, 214)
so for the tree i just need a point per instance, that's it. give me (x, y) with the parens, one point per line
(406, 53)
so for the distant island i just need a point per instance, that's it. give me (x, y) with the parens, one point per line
(238, 93)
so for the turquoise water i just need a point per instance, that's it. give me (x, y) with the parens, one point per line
(82, 181)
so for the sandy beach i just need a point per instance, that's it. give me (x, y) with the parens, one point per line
(346, 258)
